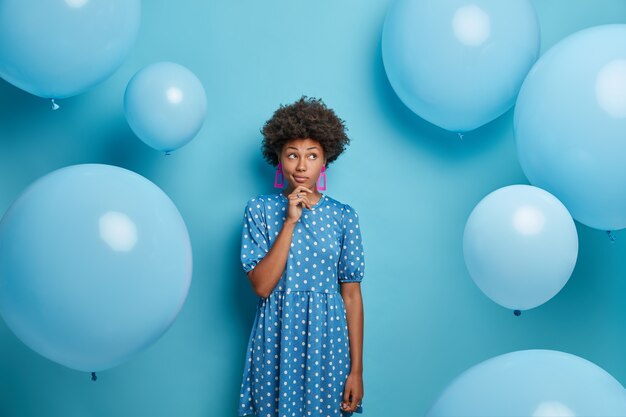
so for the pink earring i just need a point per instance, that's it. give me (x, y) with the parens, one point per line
(322, 179)
(279, 174)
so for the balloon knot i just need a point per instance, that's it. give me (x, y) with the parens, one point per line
(460, 135)
(54, 105)
(610, 235)
(168, 153)
(517, 313)
(93, 376)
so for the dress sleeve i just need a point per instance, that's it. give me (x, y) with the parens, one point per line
(351, 259)
(254, 239)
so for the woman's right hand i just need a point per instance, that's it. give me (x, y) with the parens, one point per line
(297, 199)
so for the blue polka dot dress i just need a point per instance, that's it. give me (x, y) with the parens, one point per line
(298, 355)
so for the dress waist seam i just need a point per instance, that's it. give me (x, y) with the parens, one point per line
(308, 291)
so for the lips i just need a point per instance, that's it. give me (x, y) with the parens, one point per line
(301, 179)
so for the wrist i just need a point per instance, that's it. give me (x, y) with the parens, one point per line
(356, 371)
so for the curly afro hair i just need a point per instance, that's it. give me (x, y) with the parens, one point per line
(307, 118)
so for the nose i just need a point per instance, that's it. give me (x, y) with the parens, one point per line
(301, 165)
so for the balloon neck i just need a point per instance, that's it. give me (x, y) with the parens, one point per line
(93, 376)
(55, 106)
(168, 153)
(611, 236)
(460, 135)
(517, 313)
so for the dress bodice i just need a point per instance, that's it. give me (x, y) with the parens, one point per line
(325, 248)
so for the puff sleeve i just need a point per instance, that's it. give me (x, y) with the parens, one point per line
(351, 259)
(254, 236)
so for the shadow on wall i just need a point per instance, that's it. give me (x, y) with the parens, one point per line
(15, 99)
(239, 289)
(261, 179)
(119, 146)
(19, 108)
(69, 135)
(244, 300)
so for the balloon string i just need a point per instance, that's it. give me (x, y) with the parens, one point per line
(54, 105)
(93, 376)
(610, 235)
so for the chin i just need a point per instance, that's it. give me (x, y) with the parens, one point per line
(305, 184)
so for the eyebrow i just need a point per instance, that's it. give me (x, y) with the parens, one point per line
(293, 147)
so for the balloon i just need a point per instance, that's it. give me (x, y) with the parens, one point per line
(570, 122)
(60, 48)
(520, 246)
(459, 64)
(95, 264)
(534, 383)
(165, 105)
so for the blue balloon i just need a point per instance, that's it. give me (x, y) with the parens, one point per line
(95, 264)
(165, 105)
(57, 49)
(520, 246)
(459, 64)
(533, 383)
(570, 125)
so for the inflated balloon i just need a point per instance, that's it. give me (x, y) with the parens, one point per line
(533, 383)
(570, 124)
(165, 105)
(520, 246)
(95, 264)
(57, 49)
(459, 64)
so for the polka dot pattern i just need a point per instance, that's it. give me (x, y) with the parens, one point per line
(298, 354)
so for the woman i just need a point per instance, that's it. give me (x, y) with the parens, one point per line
(303, 254)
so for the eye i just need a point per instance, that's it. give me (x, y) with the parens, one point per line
(290, 155)
(313, 155)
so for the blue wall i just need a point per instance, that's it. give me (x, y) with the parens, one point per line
(413, 184)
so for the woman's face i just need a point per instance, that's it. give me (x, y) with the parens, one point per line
(302, 161)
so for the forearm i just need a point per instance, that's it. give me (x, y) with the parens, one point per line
(354, 317)
(268, 270)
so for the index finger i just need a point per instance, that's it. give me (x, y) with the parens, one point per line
(346, 397)
(302, 188)
(354, 403)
